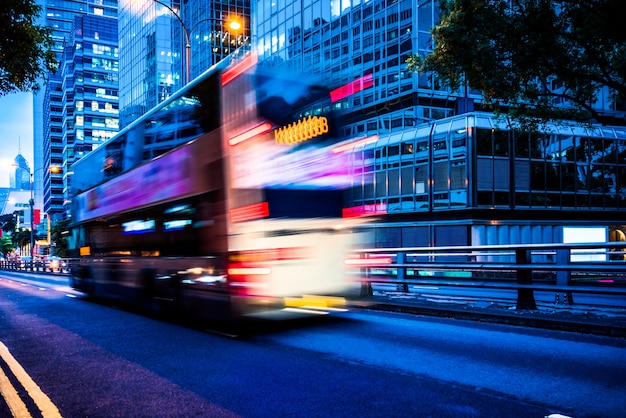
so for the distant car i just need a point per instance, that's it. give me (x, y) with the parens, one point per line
(55, 264)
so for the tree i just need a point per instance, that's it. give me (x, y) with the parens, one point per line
(26, 53)
(7, 222)
(6, 245)
(21, 238)
(58, 238)
(527, 56)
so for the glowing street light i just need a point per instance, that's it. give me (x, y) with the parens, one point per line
(233, 24)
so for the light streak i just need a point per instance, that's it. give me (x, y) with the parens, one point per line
(355, 143)
(251, 133)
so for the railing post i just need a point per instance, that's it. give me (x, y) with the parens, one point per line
(366, 285)
(401, 273)
(563, 278)
(525, 296)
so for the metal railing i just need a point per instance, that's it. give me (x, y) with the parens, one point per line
(61, 265)
(565, 269)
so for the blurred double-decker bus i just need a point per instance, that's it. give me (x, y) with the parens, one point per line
(226, 201)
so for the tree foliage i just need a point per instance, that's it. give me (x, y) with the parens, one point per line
(58, 238)
(526, 56)
(26, 53)
(8, 221)
(21, 238)
(6, 245)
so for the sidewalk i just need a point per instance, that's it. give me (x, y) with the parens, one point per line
(572, 318)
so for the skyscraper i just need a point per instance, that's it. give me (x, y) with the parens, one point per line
(441, 173)
(90, 89)
(20, 175)
(48, 103)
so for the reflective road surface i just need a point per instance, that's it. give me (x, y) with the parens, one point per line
(62, 355)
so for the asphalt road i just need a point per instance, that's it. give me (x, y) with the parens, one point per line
(95, 360)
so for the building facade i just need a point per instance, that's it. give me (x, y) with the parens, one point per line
(475, 179)
(434, 172)
(90, 90)
(48, 103)
(153, 46)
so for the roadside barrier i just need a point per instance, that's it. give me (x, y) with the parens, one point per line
(565, 269)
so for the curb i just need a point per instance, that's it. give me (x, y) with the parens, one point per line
(517, 318)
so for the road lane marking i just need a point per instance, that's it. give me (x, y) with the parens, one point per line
(45, 405)
(16, 405)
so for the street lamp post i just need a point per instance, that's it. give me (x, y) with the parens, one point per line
(233, 24)
(31, 203)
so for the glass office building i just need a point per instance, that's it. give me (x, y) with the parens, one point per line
(153, 46)
(90, 71)
(438, 173)
(476, 179)
(48, 103)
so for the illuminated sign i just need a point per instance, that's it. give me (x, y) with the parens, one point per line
(302, 130)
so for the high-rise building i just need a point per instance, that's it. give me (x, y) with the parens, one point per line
(90, 89)
(151, 55)
(435, 171)
(19, 177)
(48, 103)
(351, 40)
(163, 41)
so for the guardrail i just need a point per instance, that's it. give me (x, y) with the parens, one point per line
(565, 269)
(61, 265)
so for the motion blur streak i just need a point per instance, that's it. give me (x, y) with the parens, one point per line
(244, 271)
(367, 261)
(239, 68)
(356, 143)
(257, 130)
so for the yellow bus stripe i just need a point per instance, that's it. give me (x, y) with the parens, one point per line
(45, 405)
(10, 395)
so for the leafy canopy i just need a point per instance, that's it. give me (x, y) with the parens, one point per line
(525, 56)
(26, 53)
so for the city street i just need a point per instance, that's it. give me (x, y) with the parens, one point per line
(95, 360)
